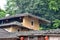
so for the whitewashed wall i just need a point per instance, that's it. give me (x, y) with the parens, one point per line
(54, 38)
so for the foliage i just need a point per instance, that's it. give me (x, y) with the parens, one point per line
(11, 7)
(49, 9)
(53, 5)
(40, 8)
(56, 23)
(2, 13)
(41, 28)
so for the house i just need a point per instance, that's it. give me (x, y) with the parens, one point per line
(4, 35)
(26, 27)
(53, 34)
(17, 27)
(21, 22)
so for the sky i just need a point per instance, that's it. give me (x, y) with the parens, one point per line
(2, 4)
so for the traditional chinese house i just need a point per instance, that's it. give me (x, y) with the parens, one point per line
(53, 34)
(25, 27)
(21, 22)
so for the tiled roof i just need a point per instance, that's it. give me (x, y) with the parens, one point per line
(11, 23)
(5, 34)
(16, 23)
(42, 32)
(52, 32)
(26, 14)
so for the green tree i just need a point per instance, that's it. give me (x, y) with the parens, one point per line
(49, 9)
(11, 7)
(56, 23)
(38, 7)
(2, 13)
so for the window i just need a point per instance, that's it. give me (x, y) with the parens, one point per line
(18, 30)
(32, 23)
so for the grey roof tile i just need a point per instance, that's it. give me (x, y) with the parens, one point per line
(5, 34)
(25, 14)
(13, 23)
(52, 32)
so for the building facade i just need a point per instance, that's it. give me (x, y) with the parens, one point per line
(24, 27)
(22, 22)
(53, 34)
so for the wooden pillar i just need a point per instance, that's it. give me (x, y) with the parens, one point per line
(46, 38)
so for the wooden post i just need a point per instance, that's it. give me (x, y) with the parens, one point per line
(46, 38)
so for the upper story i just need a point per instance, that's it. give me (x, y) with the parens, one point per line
(27, 20)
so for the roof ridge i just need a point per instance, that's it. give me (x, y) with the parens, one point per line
(26, 14)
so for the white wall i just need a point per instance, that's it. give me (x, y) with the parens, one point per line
(54, 38)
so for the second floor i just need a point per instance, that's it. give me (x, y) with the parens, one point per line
(28, 21)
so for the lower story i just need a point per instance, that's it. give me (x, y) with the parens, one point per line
(33, 38)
